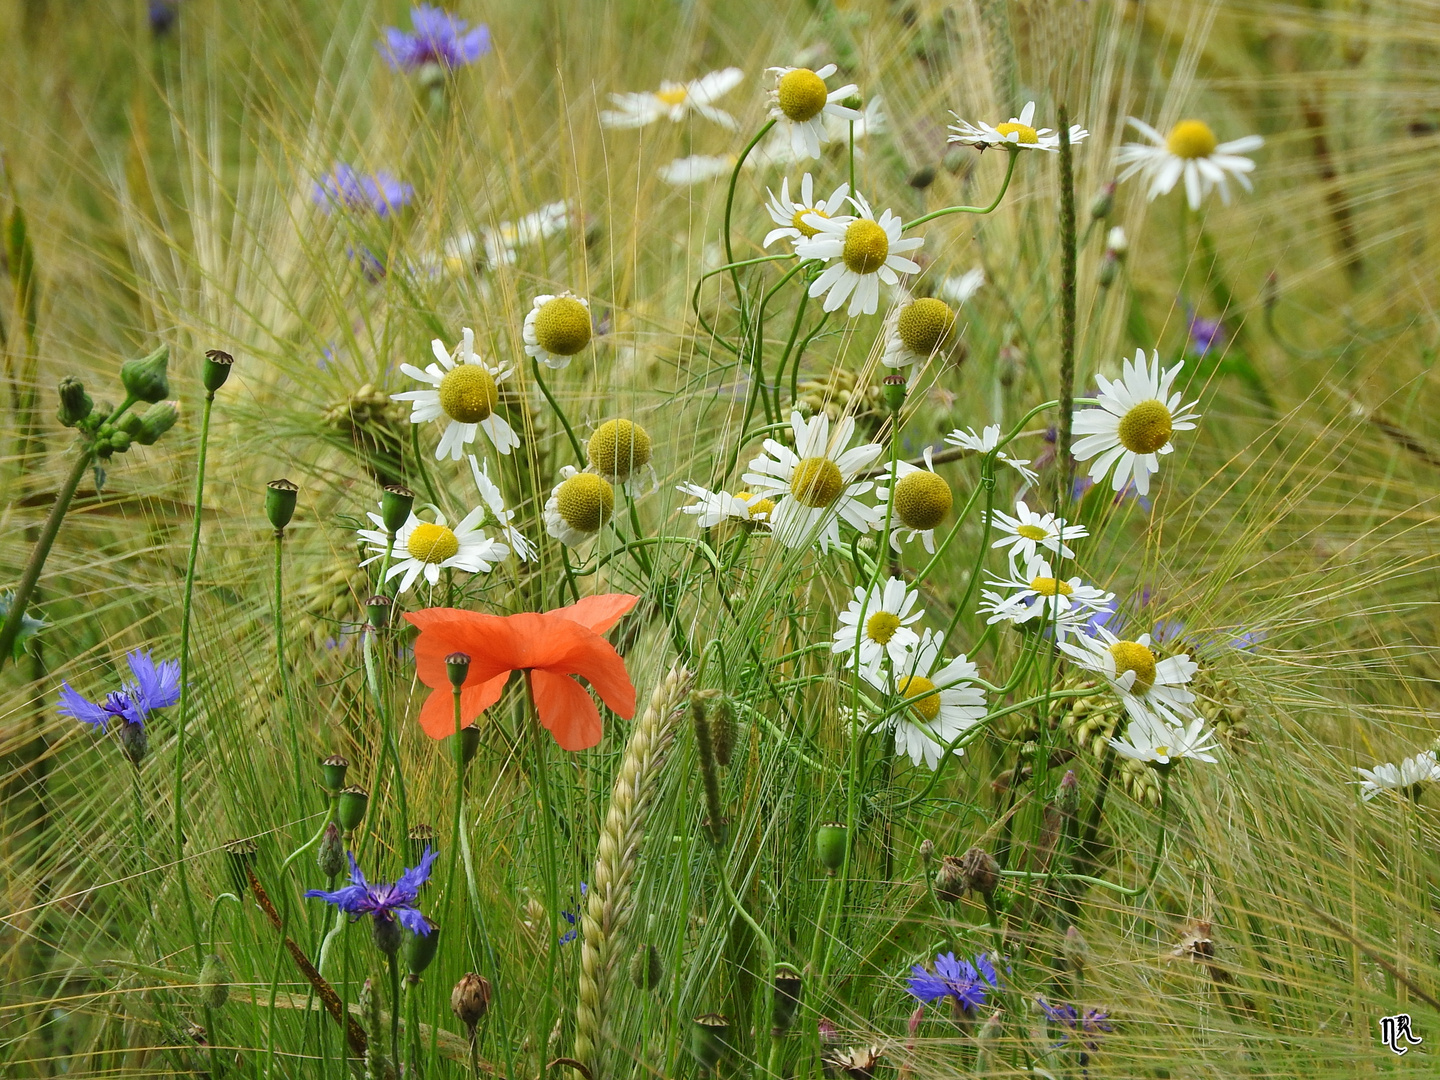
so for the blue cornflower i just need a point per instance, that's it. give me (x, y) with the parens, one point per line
(439, 38)
(1205, 334)
(389, 905)
(154, 687)
(345, 189)
(162, 15)
(573, 918)
(1090, 1027)
(958, 979)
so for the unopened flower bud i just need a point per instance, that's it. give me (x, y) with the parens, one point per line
(75, 403)
(156, 421)
(420, 950)
(457, 666)
(330, 857)
(646, 970)
(927, 852)
(134, 742)
(854, 101)
(1068, 794)
(788, 986)
(145, 379)
(709, 1039)
(214, 982)
(830, 846)
(1011, 363)
(118, 442)
(217, 369)
(1108, 270)
(922, 177)
(333, 770)
(280, 496)
(395, 504)
(377, 611)
(981, 871)
(828, 1032)
(893, 388)
(385, 932)
(470, 1000)
(469, 743)
(350, 807)
(1075, 950)
(419, 838)
(1104, 204)
(949, 880)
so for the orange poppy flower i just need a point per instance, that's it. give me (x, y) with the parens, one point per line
(551, 645)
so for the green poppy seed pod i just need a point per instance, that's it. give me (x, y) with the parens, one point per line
(385, 931)
(377, 611)
(470, 1000)
(788, 986)
(333, 770)
(922, 177)
(893, 387)
(469, 743)
(1104, 203)
(420, 949)
(980, 870)
(830, 841)
(214, 982)
(145, 379)
(134, 743)
(351, 807)
(75, 403)
(646, 970)
(156, 421)
(216, 370)
(419, 838)
(950, 880)
(280, 496)
(457, 666)
(330, 857)
(395, 504)
(239, 859)
(709, 1039)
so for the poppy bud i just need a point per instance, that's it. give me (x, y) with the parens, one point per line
(214, 982)
(333, 770)
(981, 871)
(830, 846)
(217, 369)
(420, 837)
(377, 611)
(708, 1039)
(157, 420)
(420, 949)
(351, 807)
(75, 403)
(280, 496)
(646, 971)
(330, 857)
(949, 880)
(893, 387)
(788, 986)
(457, 666)
(134, 742)
(145, 379)
(239, 858)
(395, 504)
(385, 932)
(469, 743)
(470, 1000)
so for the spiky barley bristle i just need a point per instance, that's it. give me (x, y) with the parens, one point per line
(609, 903)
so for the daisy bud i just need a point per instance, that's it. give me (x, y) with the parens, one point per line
(1104, 204)
(708, 1039)
(646, 970)
(854, 101)
(395, 504)
(75, 403)
(981, 871)
(330, 857)
(922, 178)
(214, 982)
(420, 949)
(419, 838)
(239, 859)
(280, 496)
(377, 611)
(145, 379)
(949, 881)
(351, 807)
(788, 987)
(893, 387)
(332, 771)
(457, 666)
(386, 933)
(217, 369)
(830, 846)
(619, 449)
(1075, 951)
(470, 1000)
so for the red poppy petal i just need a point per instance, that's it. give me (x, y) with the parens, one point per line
(437, 715)
(599, 613)
(444, 631)
(566, 710)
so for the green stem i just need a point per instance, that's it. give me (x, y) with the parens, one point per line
(730, 197)
(420, 465)
(280, 664)
(395, 1011)
(552, 897)
(564, 420)
(1067, 309)
(1004, 187)
(458, 752)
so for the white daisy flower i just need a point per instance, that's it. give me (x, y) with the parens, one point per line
(790, 216)
(696, 169)
(1027, 532)
(1116, 242)
(556, 328)
(1190, 151)
(942, 702)
(494, 500)
(872, 121)
(1145, 685)
(500, 245)
(917, 330)
(865, 250)
(802, 101)
(887, 611)
(986, 442)
(433, 546)
(717, 506)
(579, 506)
(1016, 134)
(1413, 771)
(465, 391)
(1134, 423)
(675, 101)
(923, 500)
(814, 486)
(1155, 742)
(1037, 594)
(960, 288)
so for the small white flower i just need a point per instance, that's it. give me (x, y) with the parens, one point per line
(1027, 532)
(960, 288)
(801, 101)
(942, 701)
(862, 251)
(887, 611)
(494, 500)
(1135, 421)
(696, 169)
(1016, 134)
(986, 442)
(1190, 151)
(556, 328)
(790, 216)
(1155, 741)
(1146, 686)
(579, 506)
(675, 101)
(922, 501)
(1037, 594)
(500, 244)
(814, 486)
(431, 547)
(717, 506)
(1116, 242)
(1420, 769)
(464, 389)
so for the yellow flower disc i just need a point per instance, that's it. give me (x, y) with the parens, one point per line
(866, 246)
(619, 448)
(801, 95)
(1145, 428)
(758, 509)
(1049, 586)
(432, 543)
(798, 221)
(1191, 139)
(920, 693)
(1025, 132)
(922, 499)
(881, 627)
(1132, 656)
(675, 95)
(468, 393)
(1032, 532)
(816, 482)
(586, 502)
(562, 326)
(924, 325)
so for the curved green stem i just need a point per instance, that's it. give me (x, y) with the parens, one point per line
(730, 197)
(564, 420)
(1004, 187)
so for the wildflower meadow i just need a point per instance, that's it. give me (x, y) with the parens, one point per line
(659, 538)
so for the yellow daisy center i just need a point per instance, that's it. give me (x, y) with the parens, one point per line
(816, 482)
(432, 543)
(801, 95)
(1191, 139)
(1132, 656)
(673, 96)
(758, 509)
(1032, 532)
(798, 220)
(1145, 428)
(562, 326)
(618, 448)
(1049, 586)
(881, 627)
(586, 502)
(920, 693)
(1025, 132)
(866, 246)
(922, 499)
(468, 393)
(924, 325)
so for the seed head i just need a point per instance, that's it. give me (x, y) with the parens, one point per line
(980, 871)
(217, 369)
(922, 499)
(470, 1000)
(562, 326)
(586, 502)
(280, 497)
(618, 449)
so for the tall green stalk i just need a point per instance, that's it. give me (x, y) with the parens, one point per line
(280, 664)
(1065, 464)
